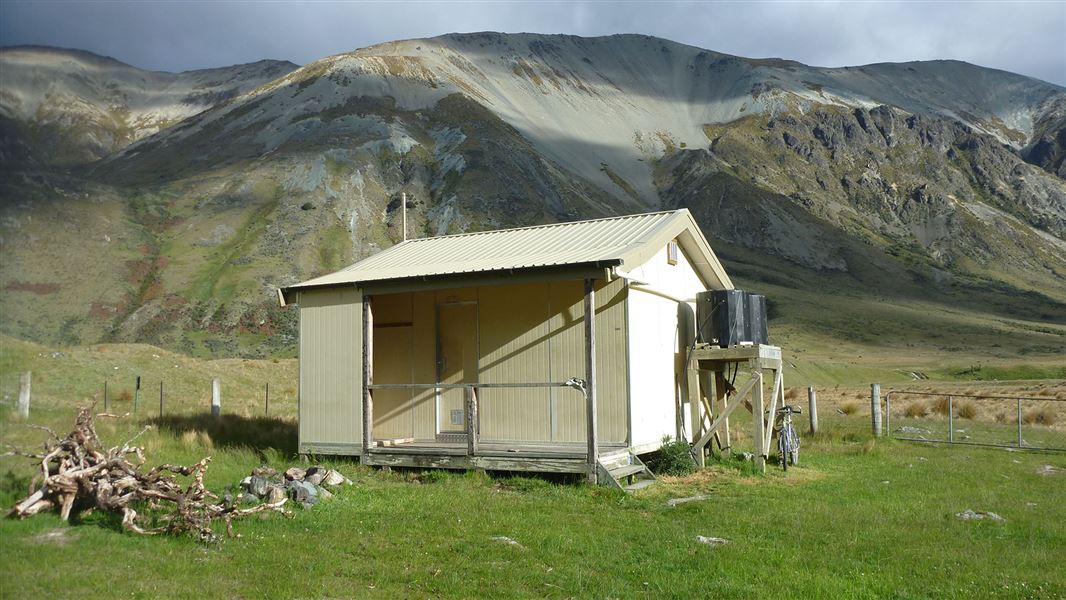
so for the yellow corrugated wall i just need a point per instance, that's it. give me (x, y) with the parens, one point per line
(331, 371)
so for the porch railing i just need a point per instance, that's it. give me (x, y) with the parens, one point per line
(473, 432)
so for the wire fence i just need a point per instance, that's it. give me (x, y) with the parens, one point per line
(1022, 422)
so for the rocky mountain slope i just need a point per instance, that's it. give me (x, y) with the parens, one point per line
(939, 181)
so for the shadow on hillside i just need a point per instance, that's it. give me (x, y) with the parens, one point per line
(234, 431)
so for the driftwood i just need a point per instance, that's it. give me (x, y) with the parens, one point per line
(76, 472)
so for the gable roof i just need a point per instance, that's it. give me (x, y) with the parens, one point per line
(627, 241)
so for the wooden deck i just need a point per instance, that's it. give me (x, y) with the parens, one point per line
(490, 456)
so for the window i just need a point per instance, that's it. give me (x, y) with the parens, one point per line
(671, 252)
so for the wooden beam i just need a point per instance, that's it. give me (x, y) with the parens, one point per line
(590, 377)
(758, 434)
(368, 377)
(778, 392)
(738, 399)
(720, 401)
(471, 420)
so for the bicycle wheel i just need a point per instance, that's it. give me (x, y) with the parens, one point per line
(782, 448)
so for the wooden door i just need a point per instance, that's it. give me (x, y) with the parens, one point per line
(457, 360)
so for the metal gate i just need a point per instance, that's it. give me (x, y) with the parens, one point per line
(1023, 422)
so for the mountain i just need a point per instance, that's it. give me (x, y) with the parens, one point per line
(927, 186)
(67, 107)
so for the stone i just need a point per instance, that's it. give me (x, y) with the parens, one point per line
(503, 539)
(264, 471)
(747, 456)
(324, 493)
(258, 486)
(677, 501)
(335, 478)
(1050, 470)
(275, 494)
(972, 515)
(315, 474)
(711, 541)
(295, 474)
(303, 492)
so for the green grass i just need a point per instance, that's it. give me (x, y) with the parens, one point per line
(858, 519)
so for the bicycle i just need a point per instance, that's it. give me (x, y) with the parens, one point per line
(788, 441)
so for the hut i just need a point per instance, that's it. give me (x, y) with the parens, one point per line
(474, 350)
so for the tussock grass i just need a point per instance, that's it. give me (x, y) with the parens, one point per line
(849, 408)
(966, 410)
(792, 393)
(1039, 416)
(916, 409)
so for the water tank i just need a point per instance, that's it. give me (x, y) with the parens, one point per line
(756, 330)
(721, 317)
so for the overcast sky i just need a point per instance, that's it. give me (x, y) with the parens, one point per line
(1024, 37)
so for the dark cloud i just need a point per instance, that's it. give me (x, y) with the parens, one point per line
(1024, 37)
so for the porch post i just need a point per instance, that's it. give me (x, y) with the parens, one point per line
(590, 377)
(471, 420)
(368, 377)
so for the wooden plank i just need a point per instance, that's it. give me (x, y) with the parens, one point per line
(778, 391)
(394, 442)
(693, 389)
(488, 463)
(708, 352)
(339, 449)
(720, 401)
(368, 376)
(753, 383)
(590, 377)
(758, 434)
(471, 420)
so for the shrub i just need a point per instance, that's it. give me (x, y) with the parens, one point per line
(673, 458)
(1040, 416)
(791, 394)
(966, 410)
(125, 396)
(916, 410)
(1001, 417)
(941, 406)
(849, 408)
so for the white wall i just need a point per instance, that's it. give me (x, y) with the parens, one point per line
(655, 350)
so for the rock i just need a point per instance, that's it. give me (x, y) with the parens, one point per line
(335, 478)
(324, 494)
(264, 471)
(908, 429)
(245, 482)
(711, 541)
(258, 486)
(245, 497)
(295, 474)
(1050, 470)
(747, 456)
(316, 474)
(972, 515)
(275, 494)
(303, 492)
(677, 501)
(503, 539)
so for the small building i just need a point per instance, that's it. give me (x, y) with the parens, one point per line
(474, 351)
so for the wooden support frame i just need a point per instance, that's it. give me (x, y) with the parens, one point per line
(368, 378)
(759, 357)
(472, 432)
(590, 379)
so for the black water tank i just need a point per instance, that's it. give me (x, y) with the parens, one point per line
(756, 330)
(721, 317)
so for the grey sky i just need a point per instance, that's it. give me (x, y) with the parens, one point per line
(1024, 37)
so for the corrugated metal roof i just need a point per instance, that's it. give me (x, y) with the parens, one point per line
(580, 242)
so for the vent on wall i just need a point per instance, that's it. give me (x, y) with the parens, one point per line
(671, 252)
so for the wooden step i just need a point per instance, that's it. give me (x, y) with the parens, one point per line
(643, 483)
(626, 471)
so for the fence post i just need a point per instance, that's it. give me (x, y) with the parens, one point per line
(812, 407)
(136, 394)
(1019, 422)
(888, 412)
(24, 395)
(160, 399)
(267, 396)
(951, 419)
(106, 407)
(875, 407)
(216, 397)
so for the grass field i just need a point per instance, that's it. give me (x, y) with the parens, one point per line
(859, 519)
